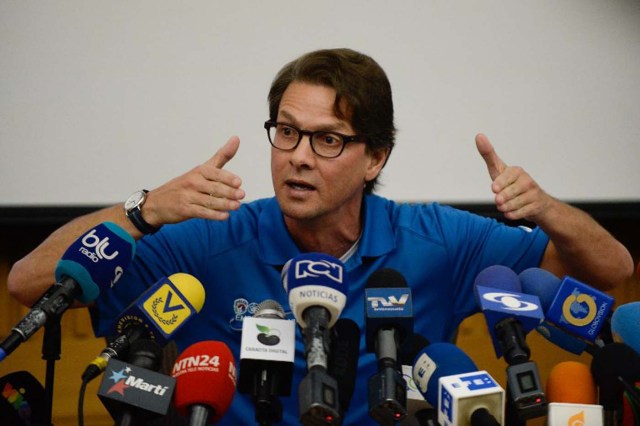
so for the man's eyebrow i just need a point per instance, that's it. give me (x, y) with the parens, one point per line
(337, 126)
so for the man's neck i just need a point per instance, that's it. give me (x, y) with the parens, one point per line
(334, 238)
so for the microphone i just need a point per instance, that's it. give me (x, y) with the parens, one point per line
(317, 291)
(389, 325)
(343, 360)
(93, 262)
(571, 393)
(573, 307)
(624, 324)
(509, 313)
(22, 401)
(134, 389)
(610, 366)
(266, 360)
(205, 376)
(419, 411)
(157, 314)
(450, 380)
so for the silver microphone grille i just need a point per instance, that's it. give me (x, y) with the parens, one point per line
(269, 309)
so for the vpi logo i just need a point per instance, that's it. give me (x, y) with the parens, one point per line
(388, 302)
(311, 268)
(510, 301)
(92, 241)
(579, 309)
(478, 382)
(446, 404)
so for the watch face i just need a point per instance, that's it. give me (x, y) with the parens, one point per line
(134, 200)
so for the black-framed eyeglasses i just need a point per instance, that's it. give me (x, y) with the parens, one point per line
(286, 137)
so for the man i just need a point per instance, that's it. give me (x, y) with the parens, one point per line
(331, 128)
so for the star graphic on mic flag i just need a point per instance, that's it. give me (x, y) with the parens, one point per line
(117, 376)
(119, 387)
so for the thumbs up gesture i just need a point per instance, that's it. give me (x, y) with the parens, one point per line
(517, 195)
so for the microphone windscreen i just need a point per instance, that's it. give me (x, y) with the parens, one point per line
(343, 360)
(571, 382)
(439, 360)
(386, 278)
(610, 362)
(624, 324)
(418, 343)
(205, 374)
(23, 400)
(190, 287)
(499, 277)
(542, 283)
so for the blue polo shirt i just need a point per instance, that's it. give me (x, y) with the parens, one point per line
(438, 249)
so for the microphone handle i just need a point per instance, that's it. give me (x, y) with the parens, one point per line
(199, 414)
(482, 417)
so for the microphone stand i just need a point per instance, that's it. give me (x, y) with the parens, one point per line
(51, 347)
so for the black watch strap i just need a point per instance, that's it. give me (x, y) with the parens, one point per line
(135, 215)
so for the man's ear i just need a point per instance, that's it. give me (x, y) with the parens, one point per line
(378, 158)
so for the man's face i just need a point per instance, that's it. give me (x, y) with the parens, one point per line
(308, 186)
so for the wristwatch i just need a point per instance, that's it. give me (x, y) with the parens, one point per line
(132, 208)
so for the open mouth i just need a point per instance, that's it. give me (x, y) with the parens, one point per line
(300, 186)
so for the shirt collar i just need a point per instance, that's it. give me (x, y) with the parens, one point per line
(277, 246)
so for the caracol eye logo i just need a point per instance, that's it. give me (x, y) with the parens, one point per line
(310, 268)
(510, 301)
(579, 309)
(124, 380)
(268, 336)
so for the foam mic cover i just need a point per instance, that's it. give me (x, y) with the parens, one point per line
(608, 364)
(624, 324)
(571, 382)
(541, 283)
(388, 305)
(157, 314)
(205, 375)
(97, 259)
(315, 279)
(435, 361)
(343, 359)
(22, 401)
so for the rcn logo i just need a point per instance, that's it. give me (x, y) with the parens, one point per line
(310, 268)
(99, 246)
(388, 302)
(510, 301)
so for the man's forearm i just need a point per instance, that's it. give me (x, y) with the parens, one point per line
(582, 248)
(32, 275)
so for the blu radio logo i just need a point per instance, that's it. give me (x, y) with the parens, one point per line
(510, 301)
(317, 268)
(96, 248)
(167, 308)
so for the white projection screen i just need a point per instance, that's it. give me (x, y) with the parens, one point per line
(101, 98)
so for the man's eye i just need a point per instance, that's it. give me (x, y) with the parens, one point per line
(328, 139)
(287, 131)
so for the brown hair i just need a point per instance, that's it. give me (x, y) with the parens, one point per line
(357, 79)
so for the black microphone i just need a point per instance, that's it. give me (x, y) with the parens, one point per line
(343, 360)
(93, 262)
(23, 400)
(267, 353)
(389, 325)
(610, 366)
(317, 290)
(157, 314)
(134, 390)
